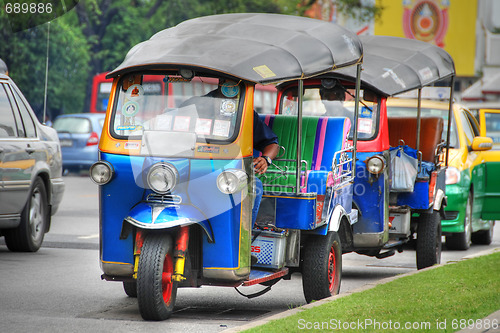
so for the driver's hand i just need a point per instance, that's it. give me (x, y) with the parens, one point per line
(260, 165)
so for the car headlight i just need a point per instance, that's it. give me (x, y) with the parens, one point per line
(375, 164)
(101, 172)
(452, 175)
(162, 177)
(231, 181)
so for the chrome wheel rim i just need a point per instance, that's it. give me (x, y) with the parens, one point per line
(36, 214)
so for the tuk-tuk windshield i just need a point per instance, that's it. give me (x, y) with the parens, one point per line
(205, 106)
(333, 102)
(411, 112)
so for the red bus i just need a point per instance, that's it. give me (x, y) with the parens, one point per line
(264, 97)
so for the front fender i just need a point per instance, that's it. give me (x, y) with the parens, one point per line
(154, 216)
(336, 217)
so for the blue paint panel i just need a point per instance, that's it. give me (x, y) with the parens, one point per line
(295, 213)
(316, 181)
(418, 199)
(222, 210)
(117, 198)
(368, 197)
(126, 190)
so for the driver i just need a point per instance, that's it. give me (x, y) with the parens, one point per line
(333, 95)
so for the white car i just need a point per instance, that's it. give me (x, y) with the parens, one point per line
(31, 184)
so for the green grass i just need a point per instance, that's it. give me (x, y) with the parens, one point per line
(466, 290)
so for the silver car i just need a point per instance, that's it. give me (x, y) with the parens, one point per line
(31, 184)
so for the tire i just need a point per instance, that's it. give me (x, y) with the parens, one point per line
(484, 237)
(156, 292)
(28, 236)
(130, 288)
(322, 267)
(428, 240)
(462, 240)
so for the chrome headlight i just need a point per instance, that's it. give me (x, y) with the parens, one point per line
(231, 181)
(162, 177)
(375, 164)
(101, 172)
(452, 175)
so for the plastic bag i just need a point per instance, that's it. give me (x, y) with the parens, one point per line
(403, 168)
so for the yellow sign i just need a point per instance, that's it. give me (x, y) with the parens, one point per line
(450, 24)
(264, 71)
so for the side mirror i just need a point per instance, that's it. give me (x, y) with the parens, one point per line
(481, 143)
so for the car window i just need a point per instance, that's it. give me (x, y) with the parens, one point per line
(469, 133)
(473, 123)
(29, 125)
(492, 122)
(7, 121)
(73, 125)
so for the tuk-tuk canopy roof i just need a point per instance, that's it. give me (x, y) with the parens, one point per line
(261, 48)
(393, 65)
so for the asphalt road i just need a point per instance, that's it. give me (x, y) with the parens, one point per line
(58, 289)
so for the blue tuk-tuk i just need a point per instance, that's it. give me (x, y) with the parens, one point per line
(399, 190)
(175, 169)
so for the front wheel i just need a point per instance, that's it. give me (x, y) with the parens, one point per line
(156, 290)
(322, 267)
(428, 240)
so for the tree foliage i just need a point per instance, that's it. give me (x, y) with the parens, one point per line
(96, 35)
(25, 54)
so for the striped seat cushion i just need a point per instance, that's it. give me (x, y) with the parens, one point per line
(321, 138)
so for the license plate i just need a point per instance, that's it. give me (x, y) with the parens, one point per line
(66, 143)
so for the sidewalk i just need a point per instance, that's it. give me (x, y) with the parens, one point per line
(489, 319)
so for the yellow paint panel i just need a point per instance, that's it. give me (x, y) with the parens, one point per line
(448, 24)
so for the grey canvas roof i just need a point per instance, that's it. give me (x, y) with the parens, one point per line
(393, 65)
(261, 48)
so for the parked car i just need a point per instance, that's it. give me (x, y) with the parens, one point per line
(470, 210)
(31, 186)
(79, 134)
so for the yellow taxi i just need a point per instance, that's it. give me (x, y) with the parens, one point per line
(472, 176)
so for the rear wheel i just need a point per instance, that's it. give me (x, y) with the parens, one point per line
(322, 267)
(484, 237)
(462, 240)
(28, 236)
(428, 240)
(156, 290)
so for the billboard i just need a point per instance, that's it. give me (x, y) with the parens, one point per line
(450, 24)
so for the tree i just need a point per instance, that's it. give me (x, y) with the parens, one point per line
(112, 28)
(359, 10)
(25, 54)
(96, 35)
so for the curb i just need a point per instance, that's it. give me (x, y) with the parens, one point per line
(287, 313)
